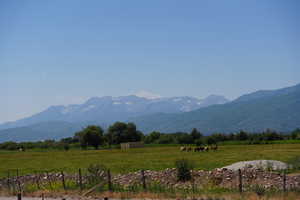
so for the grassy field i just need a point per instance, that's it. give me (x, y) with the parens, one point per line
(154, 158)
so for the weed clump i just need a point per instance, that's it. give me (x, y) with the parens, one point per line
(259, 190)
(184, 167)
(96, 173)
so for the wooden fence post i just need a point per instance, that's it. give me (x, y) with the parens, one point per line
(240, 181)
(193, 183)
(13, 183)
(109, 180)
(63, 180)
(38, 182)
(143, 179)
(49, 181)
(284, 181)
(37, 179)
(8, 179)
(80, 179)
(19, 196)
(18, 181)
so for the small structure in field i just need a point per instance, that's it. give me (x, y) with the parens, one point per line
(129, 145)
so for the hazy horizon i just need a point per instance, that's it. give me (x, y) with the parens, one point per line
(56, 52)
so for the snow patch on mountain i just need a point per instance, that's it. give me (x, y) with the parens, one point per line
(66, 110)
(90, 107)
(185, 108)
(147, 95)
(177, 99)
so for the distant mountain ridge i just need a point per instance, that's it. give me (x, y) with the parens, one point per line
(257, 111)
(267, 93)
(40, 131)
(275, 109)
(104, 111)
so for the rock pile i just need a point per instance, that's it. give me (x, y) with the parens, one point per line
(259, 164)
(219, 177)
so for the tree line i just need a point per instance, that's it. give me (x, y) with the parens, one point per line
(94, 137)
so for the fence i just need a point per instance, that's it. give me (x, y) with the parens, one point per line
(89, 180)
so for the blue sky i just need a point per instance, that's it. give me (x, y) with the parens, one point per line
(61, 52)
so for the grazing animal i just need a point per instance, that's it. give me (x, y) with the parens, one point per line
(189, 149)
(201, 148)
(182, 148)
(198, 149)
(214, 147)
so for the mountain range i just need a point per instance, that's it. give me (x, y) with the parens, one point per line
(275, 109)
(62, 121)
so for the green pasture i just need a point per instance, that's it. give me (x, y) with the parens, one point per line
(154, 158)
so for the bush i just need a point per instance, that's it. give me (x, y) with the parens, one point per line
(66, 147)
(9, 146)
(199, 142)
(166, 139)
(184, 138)
(184, 168)
(96, 173)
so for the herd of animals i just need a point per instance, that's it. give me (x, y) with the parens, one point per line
(198, 149)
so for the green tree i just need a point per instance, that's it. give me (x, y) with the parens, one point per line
(131, 133)
(121, 132)
(90, 136)
(196, 134)
(296, 134)
(210, 141)
(184, 138)
(219, 137)
(199, 142)
(116, 132)
(166, 139)
(80, 137)
(242, 135)
(269, 135)
(152, 137)
(93, 135)
(9, 145)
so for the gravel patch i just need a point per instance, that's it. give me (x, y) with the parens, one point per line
(258, 164)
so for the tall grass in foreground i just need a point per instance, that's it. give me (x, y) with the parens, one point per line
(157, 191)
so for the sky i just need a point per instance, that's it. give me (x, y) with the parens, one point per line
(64, 52)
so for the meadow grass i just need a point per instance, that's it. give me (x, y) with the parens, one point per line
(153, 158)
